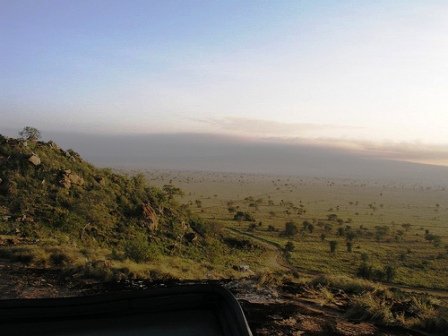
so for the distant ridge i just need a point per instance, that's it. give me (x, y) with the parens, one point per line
(228, 154)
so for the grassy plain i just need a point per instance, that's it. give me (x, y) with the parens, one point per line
(392, 224)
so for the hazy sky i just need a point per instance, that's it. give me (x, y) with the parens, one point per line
(350, 72)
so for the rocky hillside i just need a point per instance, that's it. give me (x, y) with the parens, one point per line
(57, 210)
(44, 188)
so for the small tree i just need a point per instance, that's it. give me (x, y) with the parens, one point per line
(322, 237)
(340, 232)
(138, 249)
(390, 273)
(291, 229)
(333, 245)
(349, 246)
(30, 133)
(289, 247)
(364, 257)
(252, 227)
(172, 191)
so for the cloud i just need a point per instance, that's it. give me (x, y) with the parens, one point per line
(418, 152)
(268, 128)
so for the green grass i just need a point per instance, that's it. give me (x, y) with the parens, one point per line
(417, 262)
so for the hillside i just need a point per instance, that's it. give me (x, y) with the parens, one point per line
(58, 210)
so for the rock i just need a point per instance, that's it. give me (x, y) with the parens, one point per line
(68, 179)
(52, 144)
(34, 159)
(190, 237)
(151, 217)
(65, 182)
(76, 179)
(241, 268)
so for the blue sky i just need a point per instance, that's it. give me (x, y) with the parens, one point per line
(359, 73)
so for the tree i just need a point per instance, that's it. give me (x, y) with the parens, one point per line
(322, 237)
(30, 133)
(172, 191)
(349, 246)
(350, 235)
(291, 229)
(390, 273)
(252, 227)
(289, 247)
(364, 257)
(243, 216)
(307, 226)
(333, 245)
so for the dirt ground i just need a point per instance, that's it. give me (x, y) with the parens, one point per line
(285, 310)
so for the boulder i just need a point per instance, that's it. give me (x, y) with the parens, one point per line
(34, 159)
(150, 217)
(52, 144)
(69, 178)
(241, 268)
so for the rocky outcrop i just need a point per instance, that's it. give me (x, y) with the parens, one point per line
(69, 178)
(34, 159)
(53, 145)
(150, 217)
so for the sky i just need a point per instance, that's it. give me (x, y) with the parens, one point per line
(355, 74)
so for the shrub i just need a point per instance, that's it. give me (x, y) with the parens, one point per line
(243, 216)
(59, 258)
(369, 272)
(349, 246)
(291, 229)
(373, 308)
(198, 225)
(138, 249)
(333, 245)
(289, 247)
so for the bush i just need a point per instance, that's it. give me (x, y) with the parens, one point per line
(291, 229)
(198, 226)
(369, 272)
(59, 258)
(271, 228)
(333, 245)
(349, 246)
(372, 308)
(289, 247)
(139, 250)
(243, 216)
